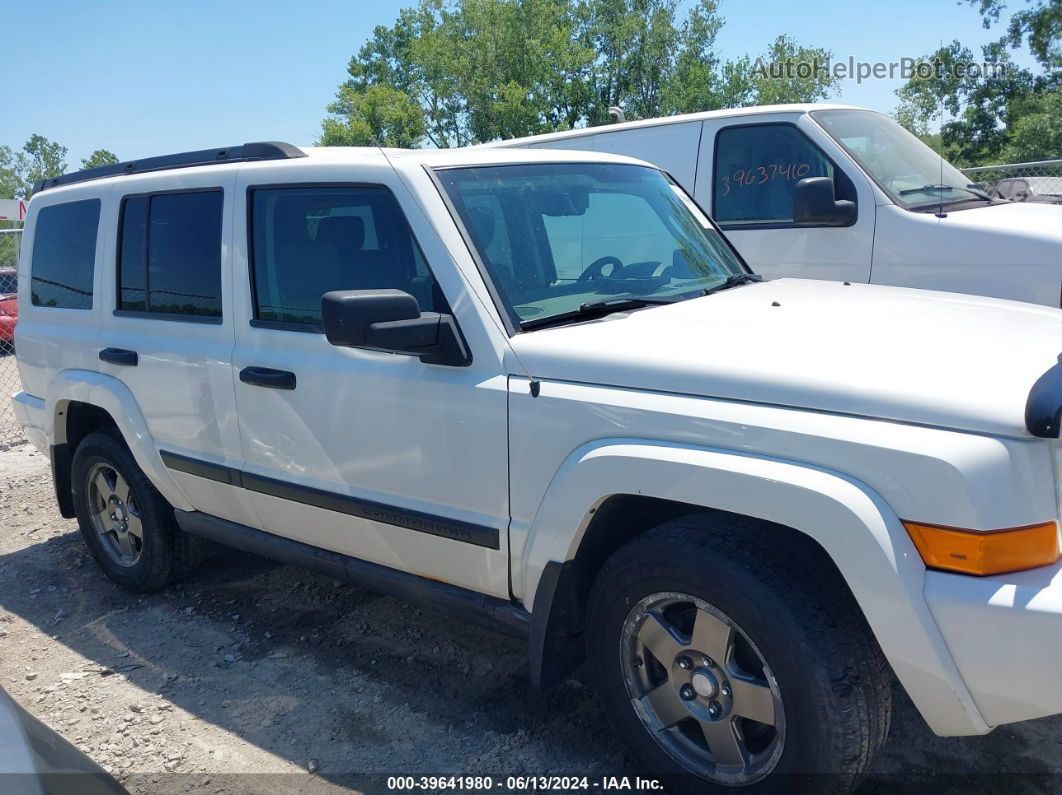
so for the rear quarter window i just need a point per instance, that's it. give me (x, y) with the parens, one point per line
(64, 254)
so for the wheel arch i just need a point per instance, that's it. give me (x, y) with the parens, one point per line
(82, 401)
(611, 490)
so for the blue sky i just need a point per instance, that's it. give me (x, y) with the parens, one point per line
(143, 78)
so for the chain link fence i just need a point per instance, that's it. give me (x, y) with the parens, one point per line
(1039, 182)
(10, 430)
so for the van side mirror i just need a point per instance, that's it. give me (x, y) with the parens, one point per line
(391, 321)
(815, 202)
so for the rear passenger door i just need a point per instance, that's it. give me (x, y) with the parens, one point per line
(370, 454)
(167, 331)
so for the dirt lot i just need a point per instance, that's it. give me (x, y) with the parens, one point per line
(249, 675)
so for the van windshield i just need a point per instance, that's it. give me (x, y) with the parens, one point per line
(912, 173)
(558, 237)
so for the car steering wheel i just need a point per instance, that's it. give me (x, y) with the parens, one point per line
(595, 268)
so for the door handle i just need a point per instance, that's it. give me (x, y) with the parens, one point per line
(268, 377)
(119, 356)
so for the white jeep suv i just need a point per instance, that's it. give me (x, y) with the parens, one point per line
(541, 390)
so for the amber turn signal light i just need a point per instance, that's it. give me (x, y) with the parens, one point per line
(987, 552)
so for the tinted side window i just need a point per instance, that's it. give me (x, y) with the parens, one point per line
(64, 254)
(757, 169)
(170, 254)
(308, 241)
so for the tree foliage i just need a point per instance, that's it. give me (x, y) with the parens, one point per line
(376, 116)
(989, 108)
(101, 157)
(39, 158)
(1038, 26)
(459, 72)
(1037, 135)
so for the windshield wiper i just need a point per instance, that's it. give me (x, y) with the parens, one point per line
(596, 309)
(734, 280)
(980, 194)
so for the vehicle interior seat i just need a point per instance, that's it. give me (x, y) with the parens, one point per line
(482, 228)
(305, 268)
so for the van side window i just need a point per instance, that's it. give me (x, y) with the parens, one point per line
(306, 241)
(169, 256)
(756, 171)
(64, 254)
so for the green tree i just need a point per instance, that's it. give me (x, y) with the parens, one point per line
(1037, 135)
(477, 70)
(788, 72)
(989, 108)
(39, 159)
(984, 104)
(376, 115)
(485, 69)
(101, 157)
(9, 188)
(10, 184)
(1039, 27)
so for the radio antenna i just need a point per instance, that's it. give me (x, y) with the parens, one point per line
(940, 145)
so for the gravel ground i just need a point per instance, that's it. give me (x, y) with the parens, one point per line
(255, 677)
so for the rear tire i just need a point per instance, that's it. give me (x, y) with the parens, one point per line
(128, 526)
(728, 662)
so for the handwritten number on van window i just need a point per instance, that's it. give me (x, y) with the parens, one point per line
(759, 175)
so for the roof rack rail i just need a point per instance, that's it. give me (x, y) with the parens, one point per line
(258, 150)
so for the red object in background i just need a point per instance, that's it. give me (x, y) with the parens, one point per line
(8, 306)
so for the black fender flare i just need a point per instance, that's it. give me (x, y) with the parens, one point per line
(555, 644)
(1043, 411)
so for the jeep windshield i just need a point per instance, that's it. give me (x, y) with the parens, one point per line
(914, 175)
(564, 242)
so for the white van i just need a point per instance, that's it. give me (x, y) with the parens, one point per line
(842, 193)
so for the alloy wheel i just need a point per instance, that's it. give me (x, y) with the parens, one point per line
(702, 689)
(115, 516)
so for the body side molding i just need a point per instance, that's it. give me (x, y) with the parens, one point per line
(453, 529)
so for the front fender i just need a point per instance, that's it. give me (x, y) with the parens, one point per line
(114, 397)
(851, 522)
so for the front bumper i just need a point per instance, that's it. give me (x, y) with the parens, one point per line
(33, 416)
(1005, 635)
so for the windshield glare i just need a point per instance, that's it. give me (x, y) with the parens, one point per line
(898, 161)
(554, 237)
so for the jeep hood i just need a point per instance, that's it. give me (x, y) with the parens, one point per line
(942, 359)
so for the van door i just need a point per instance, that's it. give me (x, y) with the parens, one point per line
(370, 454)
(167, 329)
(746, 178)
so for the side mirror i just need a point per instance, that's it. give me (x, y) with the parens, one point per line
(815, 202)
(391, 320)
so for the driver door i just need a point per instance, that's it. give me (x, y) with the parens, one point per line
(374, 455)
(749, 173)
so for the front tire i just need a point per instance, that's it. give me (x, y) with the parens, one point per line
(727, 662)
(128, 526)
